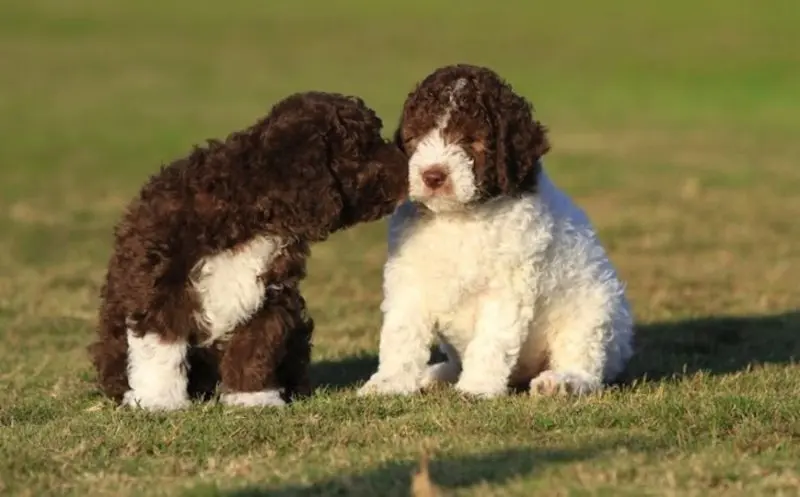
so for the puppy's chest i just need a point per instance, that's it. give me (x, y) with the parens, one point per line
(230, 285)
(454, 258)
(445, 248)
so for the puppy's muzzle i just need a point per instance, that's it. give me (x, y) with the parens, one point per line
(434, 177)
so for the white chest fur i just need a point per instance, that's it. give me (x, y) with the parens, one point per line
(453, 259)
(229, 288)
(501, 283)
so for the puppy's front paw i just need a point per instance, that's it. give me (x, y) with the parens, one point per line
(481, 389)
(164, 402)
(564, 383)
(380, 384)
(265, 398)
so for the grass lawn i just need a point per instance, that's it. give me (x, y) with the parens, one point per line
(673, 123)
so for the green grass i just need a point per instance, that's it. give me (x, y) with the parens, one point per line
(674, 124)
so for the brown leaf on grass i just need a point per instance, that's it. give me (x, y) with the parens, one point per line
(421, 484)
(95, 407)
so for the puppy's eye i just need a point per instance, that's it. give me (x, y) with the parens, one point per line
(476, 144)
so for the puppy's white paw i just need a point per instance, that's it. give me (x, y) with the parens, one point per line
(380, 384)
(264, 398)
(481, 389)
(564, 383)
(163, 402)
(442, 372)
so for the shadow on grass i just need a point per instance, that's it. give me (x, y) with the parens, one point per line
(715, 344)
(350, 371)
(343, 373)
(449, 473)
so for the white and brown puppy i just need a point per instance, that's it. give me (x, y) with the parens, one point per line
(490, 257)
(202, 285)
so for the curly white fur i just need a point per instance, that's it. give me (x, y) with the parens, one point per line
(229, 287)
(513, 281)
(156, 373)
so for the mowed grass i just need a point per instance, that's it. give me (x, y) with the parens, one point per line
(674, 124)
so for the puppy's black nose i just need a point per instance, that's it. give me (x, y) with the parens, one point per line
(434, 177)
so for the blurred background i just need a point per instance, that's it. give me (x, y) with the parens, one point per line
(673, 123)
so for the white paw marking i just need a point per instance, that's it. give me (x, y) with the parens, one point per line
(153, 403)
(564, 383)
(264, 398)
(380, 384)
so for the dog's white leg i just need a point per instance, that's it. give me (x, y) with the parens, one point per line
(500, 329)
(404, 350)
(587, 346)
(156, 373)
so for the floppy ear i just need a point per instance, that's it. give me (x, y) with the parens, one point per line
(521, 141)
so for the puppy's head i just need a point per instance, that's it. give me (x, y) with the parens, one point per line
(469, 139)
(348, 170)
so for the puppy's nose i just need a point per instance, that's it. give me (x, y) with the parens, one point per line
(434, 177)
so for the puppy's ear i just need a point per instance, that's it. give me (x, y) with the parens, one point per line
(521, 142)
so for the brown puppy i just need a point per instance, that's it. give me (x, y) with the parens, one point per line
(202, 284)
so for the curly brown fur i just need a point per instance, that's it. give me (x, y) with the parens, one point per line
(276, 339)
(493, 124)
(314, 165)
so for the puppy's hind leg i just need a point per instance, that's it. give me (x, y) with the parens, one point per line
(109, 355)
(587, 347)
(293, 371)
(109, 352)
(249, 366)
